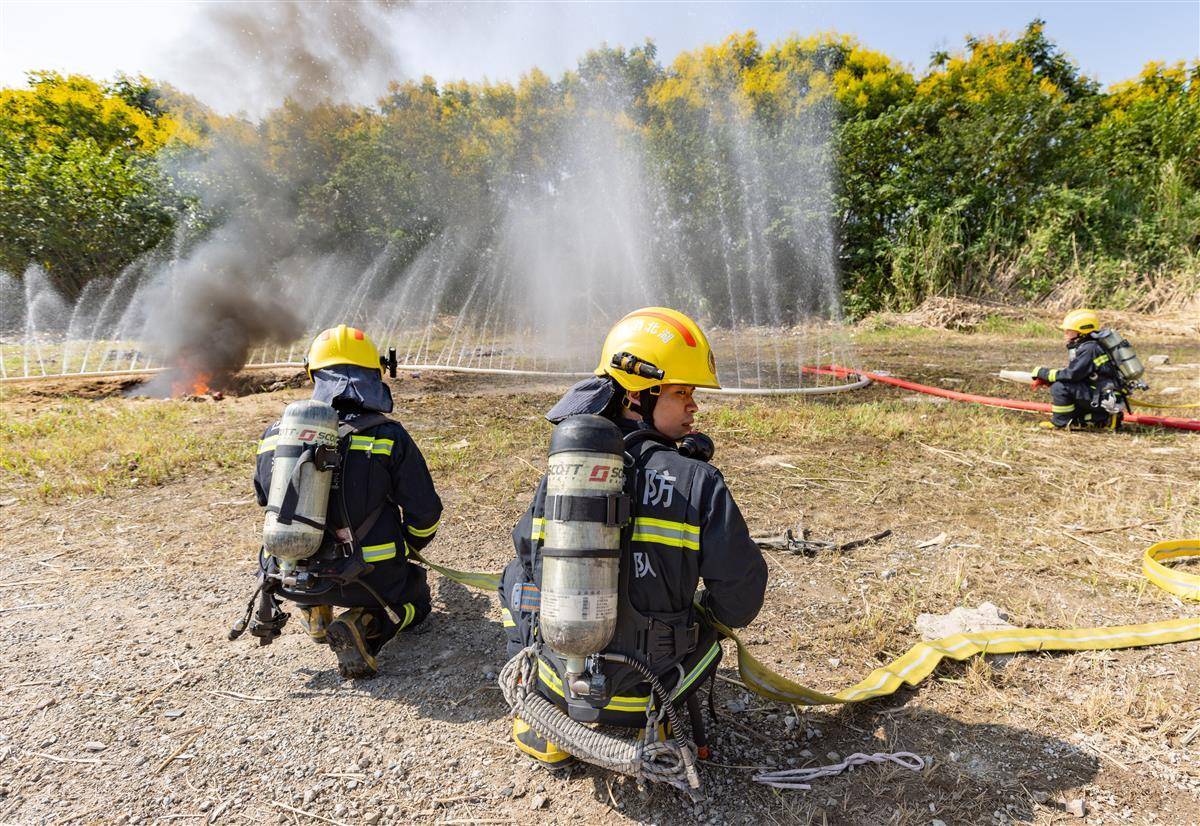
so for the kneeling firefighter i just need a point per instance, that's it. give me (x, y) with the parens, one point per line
(348, 495)
(628, 519)
(1092, 390)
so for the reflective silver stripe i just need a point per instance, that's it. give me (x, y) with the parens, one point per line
(378, 553)
(666, 532)
(372, 445)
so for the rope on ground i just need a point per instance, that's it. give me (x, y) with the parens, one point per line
(658, 762)
(801, 778)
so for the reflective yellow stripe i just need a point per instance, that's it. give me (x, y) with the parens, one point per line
(268, 444)
(666, 532)
(1052, 376)
(378, 553)
(667, 523)
(372, 445)
(506, 615)
(537, 531)
(1062, 408)
(422, 532)
(550, 679)
(1100, 360)
(692, 675)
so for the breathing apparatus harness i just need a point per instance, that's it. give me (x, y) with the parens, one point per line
(588, 631)
(343, 546)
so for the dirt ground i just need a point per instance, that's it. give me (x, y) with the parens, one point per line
(125, 703)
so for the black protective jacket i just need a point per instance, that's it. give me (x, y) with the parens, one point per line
(382, 467)
(1090, 364)
(686, 528)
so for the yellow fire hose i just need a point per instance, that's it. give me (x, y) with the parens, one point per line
(1158, 406)
(919, 661)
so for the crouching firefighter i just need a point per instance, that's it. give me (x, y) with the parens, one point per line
(348, 495)
(1093, 389)
(630, 517)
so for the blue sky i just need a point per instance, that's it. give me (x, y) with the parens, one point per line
(1109, 40)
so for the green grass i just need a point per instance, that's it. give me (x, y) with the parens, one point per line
(1018, 328)
(875, 333)
(82, 446)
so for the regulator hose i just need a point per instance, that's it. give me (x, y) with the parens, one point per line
(655, 761)
(689, 760)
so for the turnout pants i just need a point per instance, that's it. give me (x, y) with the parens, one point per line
(408, 596)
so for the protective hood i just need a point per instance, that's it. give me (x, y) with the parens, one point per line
(350, 387)
(592, 395)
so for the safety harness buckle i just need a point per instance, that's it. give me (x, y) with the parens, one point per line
(661, 640)
(619, 510)
(612, 510)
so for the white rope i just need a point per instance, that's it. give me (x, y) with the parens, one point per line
(799, 778)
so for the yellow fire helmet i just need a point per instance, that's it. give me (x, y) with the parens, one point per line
(342, 345)
(1081, 321)
(657, 337)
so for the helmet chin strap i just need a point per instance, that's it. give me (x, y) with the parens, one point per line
(645, 407)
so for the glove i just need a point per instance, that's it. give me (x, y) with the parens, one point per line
(697, 446)
(1038, 383)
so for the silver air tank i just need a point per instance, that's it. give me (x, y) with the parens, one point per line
(300, 479)
(585, 510)
(1124, 358)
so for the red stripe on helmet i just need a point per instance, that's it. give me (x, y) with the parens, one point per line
(688, 338)
(358, 334)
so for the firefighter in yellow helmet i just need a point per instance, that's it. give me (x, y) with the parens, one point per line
(685, 528)
(1089, 390)
(383, 503)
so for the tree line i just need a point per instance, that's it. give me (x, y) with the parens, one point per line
(1000, 170)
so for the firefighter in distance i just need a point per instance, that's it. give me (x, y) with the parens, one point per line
(1092, 390)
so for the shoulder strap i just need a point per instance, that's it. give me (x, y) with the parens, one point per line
(358, 426)
(362, 423)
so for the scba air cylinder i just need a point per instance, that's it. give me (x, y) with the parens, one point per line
(300, 478)
(585, 510)
(1124, 358)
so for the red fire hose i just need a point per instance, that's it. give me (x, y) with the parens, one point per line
(1011, 404)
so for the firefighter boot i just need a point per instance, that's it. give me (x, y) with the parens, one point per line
(539, 748)
(315, 620)
(348, 639)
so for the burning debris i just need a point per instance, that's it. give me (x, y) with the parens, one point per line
(220, 309)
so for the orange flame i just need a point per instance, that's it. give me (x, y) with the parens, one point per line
(192, 385)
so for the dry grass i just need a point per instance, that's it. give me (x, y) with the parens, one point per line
(1048, 526)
